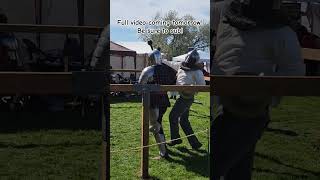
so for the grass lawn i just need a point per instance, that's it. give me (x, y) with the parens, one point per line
(49, 146)
(64, 146)
(184, 163)
(289, 149)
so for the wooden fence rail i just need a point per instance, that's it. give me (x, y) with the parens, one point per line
(35, 83)
(126, 70)
(31, 28)
(61, 83)
(130, 88)
(265, 85)
(311, 54)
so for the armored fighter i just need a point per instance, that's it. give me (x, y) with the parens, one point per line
(158, 73)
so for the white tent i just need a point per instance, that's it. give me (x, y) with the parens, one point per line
(139, 47)
(142, 48)
(204, 57)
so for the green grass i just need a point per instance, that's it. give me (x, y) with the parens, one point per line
(53, 148)
(184, 163)
(289, 149)
(50, 154)
(49, 146)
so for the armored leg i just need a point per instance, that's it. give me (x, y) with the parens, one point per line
(155, 128)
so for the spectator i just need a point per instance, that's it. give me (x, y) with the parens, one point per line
(252, 38)
(10, 49)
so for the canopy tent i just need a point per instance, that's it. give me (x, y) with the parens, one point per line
(139, 47)
(122, 58)
(142, 49)
(117, 49)
(204, 57)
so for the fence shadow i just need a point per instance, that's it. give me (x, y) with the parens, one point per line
(279, 162)
(282, 132)
(268, 171)
(123, 99)
(69, 119)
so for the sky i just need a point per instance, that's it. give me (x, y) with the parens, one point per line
(147, 9)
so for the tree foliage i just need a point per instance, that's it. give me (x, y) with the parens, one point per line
(177, 44)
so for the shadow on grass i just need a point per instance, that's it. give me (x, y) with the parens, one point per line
(62, 145)
(279, 162)
(151, 178)
(122, 99)
(268, 171)
(67, 120)
(282, 132)
(194, 162)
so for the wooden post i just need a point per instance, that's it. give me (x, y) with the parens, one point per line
(145, 60)
(66, 63)
(38, 19)
(145, 135)
(104, 162)
(81, 23)
(135, 66)
(106, 5)
(105, 145)
(122, 65)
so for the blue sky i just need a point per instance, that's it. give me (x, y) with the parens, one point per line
(146, 9)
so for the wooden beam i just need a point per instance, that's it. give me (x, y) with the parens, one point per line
(247, 85)
(135, 66)
(105, 112)
(276, 86)
(61, 83)
(125, 70)
(107, 135)
(35, 83)
(164, 88)
(59, 29)
(106, 6)
(38, 18)
(145, 135)
(80, 5)
(311, 54)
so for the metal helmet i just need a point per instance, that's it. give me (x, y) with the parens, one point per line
(155, 57)
(192, 58)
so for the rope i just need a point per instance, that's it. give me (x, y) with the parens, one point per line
(136, 149)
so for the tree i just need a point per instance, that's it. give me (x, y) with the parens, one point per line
(177, 44)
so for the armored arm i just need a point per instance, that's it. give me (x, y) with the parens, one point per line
(102, 46)
(146, 75)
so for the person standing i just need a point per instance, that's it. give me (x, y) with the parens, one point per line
(252, 39)
(189, 73)
(10, 49)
